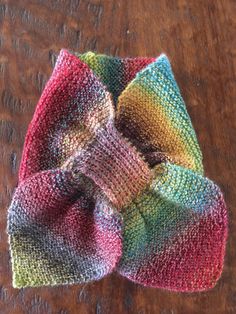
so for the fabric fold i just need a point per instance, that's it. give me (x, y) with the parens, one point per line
(152, 113)
(73, 105)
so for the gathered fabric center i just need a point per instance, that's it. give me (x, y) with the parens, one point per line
(114, 165)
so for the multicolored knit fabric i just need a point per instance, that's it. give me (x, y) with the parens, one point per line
(111, 179)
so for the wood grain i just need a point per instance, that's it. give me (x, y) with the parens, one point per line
(199, 38)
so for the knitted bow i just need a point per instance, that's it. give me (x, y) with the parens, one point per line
(111, 178)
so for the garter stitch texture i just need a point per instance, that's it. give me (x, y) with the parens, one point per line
(111, 178)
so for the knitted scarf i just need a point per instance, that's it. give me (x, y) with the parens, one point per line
(111, 179)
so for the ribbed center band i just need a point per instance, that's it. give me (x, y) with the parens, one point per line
(114, 165)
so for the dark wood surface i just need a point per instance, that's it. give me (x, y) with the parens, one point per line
(199, 38)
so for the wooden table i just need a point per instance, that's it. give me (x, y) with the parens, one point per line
(199, 38)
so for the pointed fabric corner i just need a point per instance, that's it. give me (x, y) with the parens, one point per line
(175, 233)
(58, 235)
